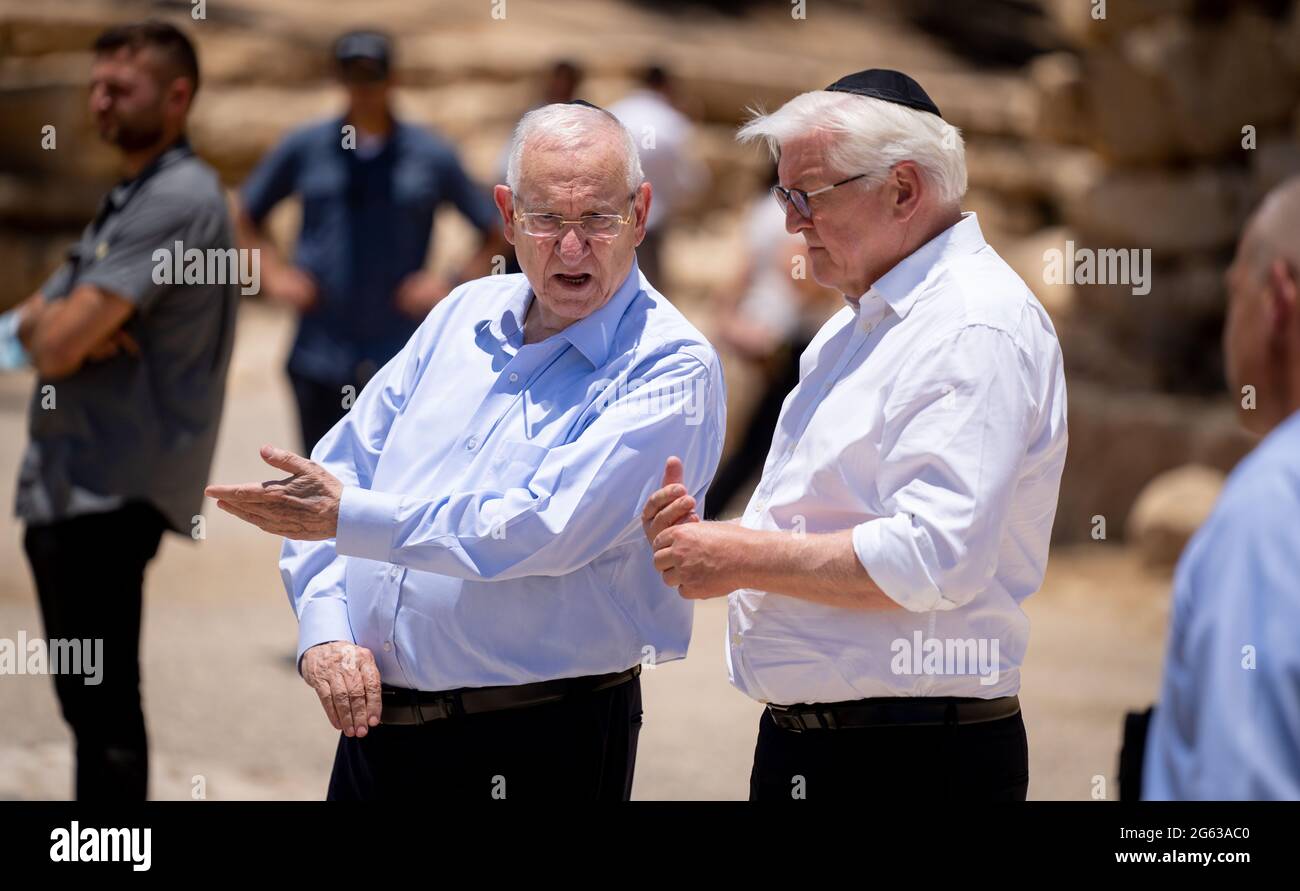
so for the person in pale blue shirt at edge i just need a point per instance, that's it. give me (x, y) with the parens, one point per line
(470, 533)
(1227, 723)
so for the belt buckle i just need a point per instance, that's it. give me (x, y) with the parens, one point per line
(412, 705)
(788, 718)
(827, 718)
(810, 718)
(396, 705)
(817, 718)
(448, 706)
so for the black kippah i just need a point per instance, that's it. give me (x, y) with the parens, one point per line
(584, 102)
(891, 86)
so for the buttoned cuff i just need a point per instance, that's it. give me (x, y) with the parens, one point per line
(323, 619)
(366, 522)
(890, 556)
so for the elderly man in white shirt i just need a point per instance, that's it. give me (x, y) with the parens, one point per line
(876, 578)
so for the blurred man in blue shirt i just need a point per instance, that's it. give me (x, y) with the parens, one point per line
(1227, 725)
(466, 556)
(370, 185)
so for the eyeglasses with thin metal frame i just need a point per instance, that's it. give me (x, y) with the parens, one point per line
(799, 198)
(598, 226)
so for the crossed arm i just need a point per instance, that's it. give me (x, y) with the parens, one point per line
(62, 335)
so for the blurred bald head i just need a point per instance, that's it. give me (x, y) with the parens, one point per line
(1261, 337)
(1274, 230)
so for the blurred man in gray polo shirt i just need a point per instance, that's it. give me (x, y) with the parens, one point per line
(130, 337)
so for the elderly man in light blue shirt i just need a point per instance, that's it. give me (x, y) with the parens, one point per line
(1227, 725)
(465, 551)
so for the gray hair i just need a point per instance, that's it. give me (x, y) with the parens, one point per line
(869, 136)
(570, 127)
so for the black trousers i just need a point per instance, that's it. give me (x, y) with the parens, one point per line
(89, 574)
(320, 405)
(580, 749)
(974, 762)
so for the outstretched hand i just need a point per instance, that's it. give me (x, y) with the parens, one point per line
(304, 506)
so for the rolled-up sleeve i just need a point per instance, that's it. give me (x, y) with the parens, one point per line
(583, 498)
(955, 436)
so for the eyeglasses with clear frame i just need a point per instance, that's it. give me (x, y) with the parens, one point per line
(596, 226)
(799, 198)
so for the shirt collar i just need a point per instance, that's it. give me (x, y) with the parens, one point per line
(508, 324)
(120, 194)
(900, 286)
(1290, 425)
(592, 336)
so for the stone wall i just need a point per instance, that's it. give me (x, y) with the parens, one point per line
(1122, 133)
(1178, 117)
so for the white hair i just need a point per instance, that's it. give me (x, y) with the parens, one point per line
(869, 136)
(571, 127)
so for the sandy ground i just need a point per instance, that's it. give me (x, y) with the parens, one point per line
(224, 702)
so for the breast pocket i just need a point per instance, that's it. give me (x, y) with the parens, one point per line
(513, 464)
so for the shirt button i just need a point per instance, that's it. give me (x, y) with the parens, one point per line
(513, 377)
(394, 572)
(388, 646)
(472, 443)
(735, 639)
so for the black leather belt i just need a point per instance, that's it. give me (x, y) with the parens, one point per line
(405, 706)
(892, 711)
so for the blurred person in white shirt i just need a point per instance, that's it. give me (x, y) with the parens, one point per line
(663, 136)
(765, 317)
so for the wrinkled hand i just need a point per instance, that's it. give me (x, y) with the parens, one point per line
(419, 293)
(669, 505)
(700, 560)
(303, 507)
(346, 679)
